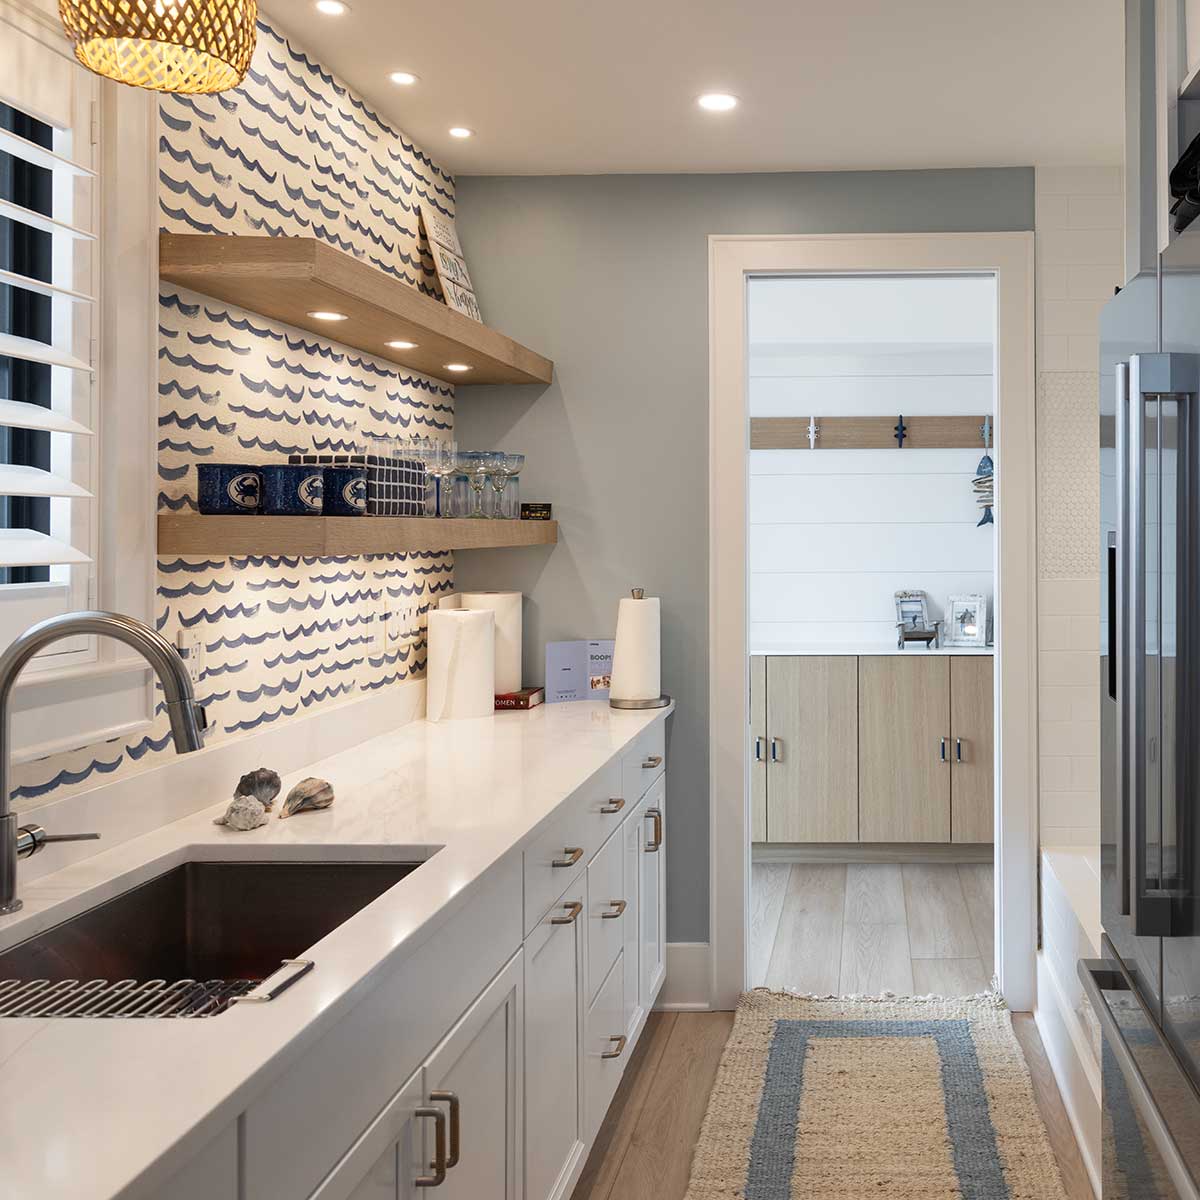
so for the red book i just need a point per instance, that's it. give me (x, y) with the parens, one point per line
(525, 698)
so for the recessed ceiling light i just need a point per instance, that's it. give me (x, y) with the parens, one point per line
(457, 367)
(461, 131)
(717, 101)
(403, 78)
(400, 345)
(332, 8)
(322, 314)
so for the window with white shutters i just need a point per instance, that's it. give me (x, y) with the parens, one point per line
(49, 265)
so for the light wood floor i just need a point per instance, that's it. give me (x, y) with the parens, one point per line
(866, 928)
(644, 1149)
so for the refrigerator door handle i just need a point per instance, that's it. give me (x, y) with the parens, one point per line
(1119, 636)
(1140, 1096)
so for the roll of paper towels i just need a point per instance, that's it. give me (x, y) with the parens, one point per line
(636, 668)
(461, 671)
(507, 607)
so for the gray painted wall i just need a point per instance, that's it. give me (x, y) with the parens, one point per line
(607, 275)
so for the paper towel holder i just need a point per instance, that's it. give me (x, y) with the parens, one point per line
(660, 701)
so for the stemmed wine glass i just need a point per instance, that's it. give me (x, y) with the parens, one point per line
(504, 468)
(476, 465)
(441, 462)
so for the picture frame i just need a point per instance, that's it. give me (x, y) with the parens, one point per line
(967, 621)
(912, 611)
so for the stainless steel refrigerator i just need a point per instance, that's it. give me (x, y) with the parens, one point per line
(1145, 990)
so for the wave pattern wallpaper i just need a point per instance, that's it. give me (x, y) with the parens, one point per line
(291, 152)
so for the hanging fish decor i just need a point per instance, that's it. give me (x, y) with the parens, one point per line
(984, 483)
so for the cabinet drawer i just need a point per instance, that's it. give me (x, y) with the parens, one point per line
(644, 762)
(607, 902)
(604, 1047)
(560, 853)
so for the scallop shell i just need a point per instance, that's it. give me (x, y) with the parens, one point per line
(243, 813)
(307, 796)
(263, 784)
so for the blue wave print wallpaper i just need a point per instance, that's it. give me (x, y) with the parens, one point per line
(292, 151)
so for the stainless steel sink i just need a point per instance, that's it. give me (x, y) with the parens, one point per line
(189, 942)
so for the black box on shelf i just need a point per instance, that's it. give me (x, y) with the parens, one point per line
(535, 512)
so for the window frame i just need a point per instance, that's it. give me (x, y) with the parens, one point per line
(89, 689)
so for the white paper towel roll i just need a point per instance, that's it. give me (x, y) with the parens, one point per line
(507, 607)
(636, 668)
(461, 671)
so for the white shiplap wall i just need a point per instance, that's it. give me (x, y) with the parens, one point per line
(835, 533)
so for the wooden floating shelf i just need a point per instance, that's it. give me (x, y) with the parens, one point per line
(287, 278)
(332, 537)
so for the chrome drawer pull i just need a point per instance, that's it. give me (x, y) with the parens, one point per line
(613, 806)
(620, 1039)
(450, 1098)
(573, 853)
(942, 750)
(652, 761)
(276, 989)
(776, 749)
(758, 749)
(655, 815)
(439, 1149)
(958, 750)
(619, 907)
(573, 909)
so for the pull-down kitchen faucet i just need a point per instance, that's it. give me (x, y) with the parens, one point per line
(187, 718)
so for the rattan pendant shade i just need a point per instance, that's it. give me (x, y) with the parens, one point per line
(166, 45)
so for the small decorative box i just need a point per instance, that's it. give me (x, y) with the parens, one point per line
(345, 491)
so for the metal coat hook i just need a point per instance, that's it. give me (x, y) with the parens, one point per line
(900, 430)
(985, 432)
(814, 432)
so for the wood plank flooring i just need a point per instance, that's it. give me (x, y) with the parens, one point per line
(644, 1148)
(865, 928)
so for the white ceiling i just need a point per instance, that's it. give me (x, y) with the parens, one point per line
(575, 86)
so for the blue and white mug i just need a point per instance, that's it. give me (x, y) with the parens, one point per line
(229, 489)
(292, 491)
(345, 491)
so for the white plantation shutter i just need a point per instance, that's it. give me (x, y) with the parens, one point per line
(50, 202)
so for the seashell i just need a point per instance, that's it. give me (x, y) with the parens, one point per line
(307, 796)
(243, 813)
(263, 784)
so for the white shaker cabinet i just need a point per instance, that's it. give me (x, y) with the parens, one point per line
(554, 972)
(476, 1075)
(653, 892)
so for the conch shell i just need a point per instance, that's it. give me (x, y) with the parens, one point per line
(307, 796)
(262, 783)
(243, 813)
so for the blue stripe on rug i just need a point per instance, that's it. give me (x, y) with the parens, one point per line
(968, 1120)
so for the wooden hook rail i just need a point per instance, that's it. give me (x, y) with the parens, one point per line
(870, 433)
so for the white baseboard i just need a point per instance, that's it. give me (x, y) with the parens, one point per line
(1075, 1069)
(687, 987)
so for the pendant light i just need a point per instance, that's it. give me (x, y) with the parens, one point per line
(188, 46)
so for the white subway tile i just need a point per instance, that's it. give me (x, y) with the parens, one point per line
(1072, 739)
(1092, 283)
(1085, 774)
(1094, 247)
(1070, 808)
(1070, 835)
(1083, 352)
(1054, 773)
(1070, 597)
(1051, 212)
(1069, 668)
(1054, 283)
(1082, 180)
(1072, 317)
(1054, 353)
(1097, 212)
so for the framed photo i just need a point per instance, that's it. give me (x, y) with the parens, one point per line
(967, 621)
(912, 611)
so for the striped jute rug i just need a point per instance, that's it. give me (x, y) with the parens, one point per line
(840, 1099)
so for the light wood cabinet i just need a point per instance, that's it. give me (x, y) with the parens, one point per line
(808, 776)
(972, 770)
(895, 748)
(904, 748)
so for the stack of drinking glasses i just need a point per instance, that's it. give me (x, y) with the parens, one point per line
(461, 479)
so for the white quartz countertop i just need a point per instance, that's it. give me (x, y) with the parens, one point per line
(865, 650)
(88, 1107)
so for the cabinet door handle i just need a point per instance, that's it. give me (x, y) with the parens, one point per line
(620, 1040)
(618, 907)
(655, 815)
(451, 1098)
(958, 750)
(573, 853)
(572, 910)
(613, 806)
(758, 749)
(439, 1148)
(651, 761)
(942, 750)
(776, 750)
